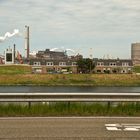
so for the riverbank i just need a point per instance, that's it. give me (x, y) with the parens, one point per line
(22, 75)
(70, 79)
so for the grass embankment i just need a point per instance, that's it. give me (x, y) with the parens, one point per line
(137, 69)
(14, 69)
(75, 109)
(71, 79)
(21, 75)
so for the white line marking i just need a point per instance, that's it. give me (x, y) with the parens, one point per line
(112, 125)
(130, 124)
(131, 129)
(122, 127)
(113, 129)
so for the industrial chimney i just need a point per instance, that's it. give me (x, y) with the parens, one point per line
(14, 51)
(27, 42)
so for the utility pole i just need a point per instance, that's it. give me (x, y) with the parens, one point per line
(91, 58)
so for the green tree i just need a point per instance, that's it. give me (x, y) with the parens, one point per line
(85, 65)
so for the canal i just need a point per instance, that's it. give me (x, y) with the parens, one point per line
(52, 89)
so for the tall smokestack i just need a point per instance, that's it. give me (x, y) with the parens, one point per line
(27, 49)
(14, 50)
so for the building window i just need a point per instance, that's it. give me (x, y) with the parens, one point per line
(112, 64)
(100, 63)
(74, 63)
(37, 63)
(62, 63)
(49, 63)
(125, 64)
(99, 71)
(8, 57)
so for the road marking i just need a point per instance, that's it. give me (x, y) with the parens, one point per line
(113, 125)
(122, 127)
(131, 129)
(113, 129)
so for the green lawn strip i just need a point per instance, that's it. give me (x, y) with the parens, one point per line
(14, 69)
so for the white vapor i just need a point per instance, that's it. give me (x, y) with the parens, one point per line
(8, 35)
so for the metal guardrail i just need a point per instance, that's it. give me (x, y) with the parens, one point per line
(69, 97)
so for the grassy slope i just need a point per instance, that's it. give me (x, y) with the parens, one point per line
(21, 75)
(137, 69)
(14, 69)
(71, 79)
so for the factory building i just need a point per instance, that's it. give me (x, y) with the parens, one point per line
(113, 66)
(135, 53)
(47, 54)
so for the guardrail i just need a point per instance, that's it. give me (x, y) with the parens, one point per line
(69, 97)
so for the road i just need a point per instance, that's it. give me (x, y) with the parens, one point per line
(70, 128)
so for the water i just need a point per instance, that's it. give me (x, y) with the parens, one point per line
(45, 89)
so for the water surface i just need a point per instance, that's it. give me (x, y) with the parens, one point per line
(64, 89)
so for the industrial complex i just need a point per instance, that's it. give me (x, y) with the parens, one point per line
(54, 61)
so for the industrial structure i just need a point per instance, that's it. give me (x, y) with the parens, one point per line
(13, 56)
(2, 59)
(135, 53)
(9, 56)
(47, 54)
(57, 60)
(27, 41)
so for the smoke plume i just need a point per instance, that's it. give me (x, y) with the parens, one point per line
(8, 35)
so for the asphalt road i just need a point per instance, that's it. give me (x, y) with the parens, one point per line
(70, 128)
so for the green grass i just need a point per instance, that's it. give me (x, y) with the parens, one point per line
(21, 75)
(14, 69)
(74, 109)
(71, 79)
(137, 69)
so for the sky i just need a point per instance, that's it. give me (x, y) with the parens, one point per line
(97, 27)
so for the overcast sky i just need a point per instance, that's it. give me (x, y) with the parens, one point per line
(106, 26)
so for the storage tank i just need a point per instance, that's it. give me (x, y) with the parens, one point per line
(135, 53)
